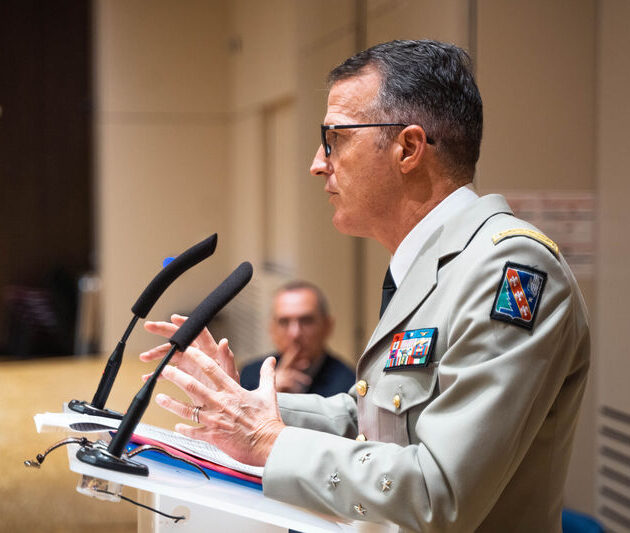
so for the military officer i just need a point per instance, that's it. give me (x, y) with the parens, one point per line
(467, 393)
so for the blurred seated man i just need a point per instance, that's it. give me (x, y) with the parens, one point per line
(300, 326)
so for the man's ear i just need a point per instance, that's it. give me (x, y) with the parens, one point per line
(412, 143)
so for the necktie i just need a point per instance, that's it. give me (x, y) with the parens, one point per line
(389, 288)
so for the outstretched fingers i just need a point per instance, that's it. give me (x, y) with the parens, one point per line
(207, 370)
(225, 358)
(155, 353)
(163, 328)
(242, 423)
(206, 343)
(204, 340)
(176, 407)
(198, 393)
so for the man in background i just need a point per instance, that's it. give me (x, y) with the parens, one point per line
(299, 328)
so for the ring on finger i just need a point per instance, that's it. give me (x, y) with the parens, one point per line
(195, 413)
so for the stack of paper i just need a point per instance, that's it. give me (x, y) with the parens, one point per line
(144, 433)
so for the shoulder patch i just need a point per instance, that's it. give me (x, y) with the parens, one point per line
(518, 295)
(523, 232)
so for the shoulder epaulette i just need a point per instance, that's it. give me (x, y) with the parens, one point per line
(522, 232)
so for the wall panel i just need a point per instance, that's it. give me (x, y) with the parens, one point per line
(160, 145)
(613, 314)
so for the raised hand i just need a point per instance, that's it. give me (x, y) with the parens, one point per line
(290, 372)
(205, 342)
(244, 424)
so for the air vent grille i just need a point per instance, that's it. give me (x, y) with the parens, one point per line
(613, 492)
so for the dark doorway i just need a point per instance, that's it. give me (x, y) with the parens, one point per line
(46, 235)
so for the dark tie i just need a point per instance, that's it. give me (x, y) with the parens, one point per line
(389, 288)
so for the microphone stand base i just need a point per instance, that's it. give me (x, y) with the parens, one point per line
(87, 409)
(98, 455)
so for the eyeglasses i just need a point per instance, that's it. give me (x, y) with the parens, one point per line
(326, 127)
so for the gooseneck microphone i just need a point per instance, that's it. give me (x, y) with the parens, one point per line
(111, 457)
(163, 279)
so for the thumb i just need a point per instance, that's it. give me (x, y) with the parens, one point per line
(268, 376)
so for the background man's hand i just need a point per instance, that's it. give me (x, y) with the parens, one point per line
(291, 373)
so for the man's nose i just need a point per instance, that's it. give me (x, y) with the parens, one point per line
(321, 164)
(295, 328)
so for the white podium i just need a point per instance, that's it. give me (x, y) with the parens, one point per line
(214, 505)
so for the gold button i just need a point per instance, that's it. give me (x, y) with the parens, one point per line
(361, 437)
(362, 387)
(396, 401)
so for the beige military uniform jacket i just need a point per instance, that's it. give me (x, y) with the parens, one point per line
(478, 439)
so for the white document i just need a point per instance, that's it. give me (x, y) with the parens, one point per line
(79, 423)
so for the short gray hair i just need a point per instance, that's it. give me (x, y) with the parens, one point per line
(298, 284)
(431, 84)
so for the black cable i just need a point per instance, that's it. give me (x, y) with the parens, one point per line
(35, 463)
(172, 517)
(83, 441)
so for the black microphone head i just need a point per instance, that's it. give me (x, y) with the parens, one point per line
(213, 303)
(195, 254)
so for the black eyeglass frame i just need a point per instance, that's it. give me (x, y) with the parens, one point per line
(327, 127)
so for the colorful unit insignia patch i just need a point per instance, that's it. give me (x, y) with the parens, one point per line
(411, 348)
(518, 295)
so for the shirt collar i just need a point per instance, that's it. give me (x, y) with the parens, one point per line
(408, 249)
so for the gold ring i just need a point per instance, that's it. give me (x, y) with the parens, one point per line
(195, 414)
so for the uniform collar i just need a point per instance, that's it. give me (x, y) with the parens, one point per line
(448, 239)
(408, 249)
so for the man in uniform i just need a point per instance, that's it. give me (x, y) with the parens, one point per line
(468, 392)
(300, 326)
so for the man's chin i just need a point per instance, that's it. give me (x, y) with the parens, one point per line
(346, 226)
(342, 223)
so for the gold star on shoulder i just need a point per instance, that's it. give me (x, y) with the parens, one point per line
(365, 457)
(333, 479)
(360, 509)
(386, 484)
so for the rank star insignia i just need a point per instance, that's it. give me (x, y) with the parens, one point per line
(334, 479)
(386, 484)
(518, 295)
(360, 509)
(365, 458)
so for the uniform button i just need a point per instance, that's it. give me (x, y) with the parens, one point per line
(396, 401)
(362, 387)
(361, 437)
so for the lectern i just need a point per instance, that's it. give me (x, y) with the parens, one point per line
(214, 505)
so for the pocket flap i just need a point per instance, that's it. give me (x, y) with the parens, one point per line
(412, 387)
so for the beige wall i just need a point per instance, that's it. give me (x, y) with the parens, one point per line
(160, 144)
(324, 255)
(536, 73)
(613, 314)
(210, 110)
(613, 168)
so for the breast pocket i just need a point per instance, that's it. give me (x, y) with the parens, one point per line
(400, 395)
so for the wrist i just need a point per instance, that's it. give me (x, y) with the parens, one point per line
(264, 438)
